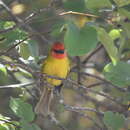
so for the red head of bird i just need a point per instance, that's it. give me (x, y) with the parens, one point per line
(58, 50)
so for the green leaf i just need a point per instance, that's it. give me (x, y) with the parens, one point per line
(22, 109)
(124, 12)
(6, 24)
(4, 127)
(126, 27)
(118, 74)
(57, 29)
(3, 69)
(121, 3)
(115, 33)
(95, 4)
(24, 50)
(33, 48)
(3, 75)
(108, 43)
(114, 120)
(4, 117)
(75, 5)
(10, 37)
(27, 126)
(80, 41)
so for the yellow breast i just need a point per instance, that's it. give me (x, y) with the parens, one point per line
(56, 67)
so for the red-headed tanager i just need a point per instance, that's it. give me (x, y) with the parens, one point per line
(56, 64)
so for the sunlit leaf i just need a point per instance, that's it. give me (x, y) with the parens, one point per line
(95, 4)
(108, 43)
(22, 109)
(115, 33)
(118, 74)
(24, 50)
(122, 2)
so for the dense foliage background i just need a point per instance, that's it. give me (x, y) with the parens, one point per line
(96, 34)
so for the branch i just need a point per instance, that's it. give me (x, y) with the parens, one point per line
(78, 69)
(68, 107)
(18, 85)
(55, 121)
(13, 46)
(23, 66)
(104, 80)
(83, 87)
(78, 14)
(86, 116)
(92, 53)
(19, 21)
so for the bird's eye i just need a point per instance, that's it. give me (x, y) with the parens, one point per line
(59, 51)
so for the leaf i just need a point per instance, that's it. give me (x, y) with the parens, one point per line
(22, 109)
(95, 4)
(24, 50)
(10, 37)
(118, 74)
(26, 126)
(108, 43)
(57, 29)
(33, 48)
(80, 41)
(75, 5)
(114, 120)
(124, 12)
(115, 33)
(4, 127)
(121, 3)
(3, 75)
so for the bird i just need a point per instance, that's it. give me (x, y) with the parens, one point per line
(56, 64)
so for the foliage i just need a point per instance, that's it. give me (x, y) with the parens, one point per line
(86, 27)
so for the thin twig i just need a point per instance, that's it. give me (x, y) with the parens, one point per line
(92, 53)
(23, 66)
(78, 69)
(83, 87)
(104, 80)
(78, 13)
(18, 85)
(95, 84)
(82, 109)
(54, 120)
(17, 20)
(86, 116)
(13, 46)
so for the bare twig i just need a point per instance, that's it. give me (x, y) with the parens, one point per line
(13, 46)
(68, 107)
(92, 53)
(88, 117)
(21, 22)
(18, 85)
(23, 66)
(55, 121)
(83, 87)
(78, 69)
(95, 84)
(78, 13)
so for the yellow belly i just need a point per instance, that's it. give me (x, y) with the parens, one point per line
(55, 67)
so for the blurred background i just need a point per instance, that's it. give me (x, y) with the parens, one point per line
(33, 26)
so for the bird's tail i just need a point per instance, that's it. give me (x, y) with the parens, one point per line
(43, 106)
